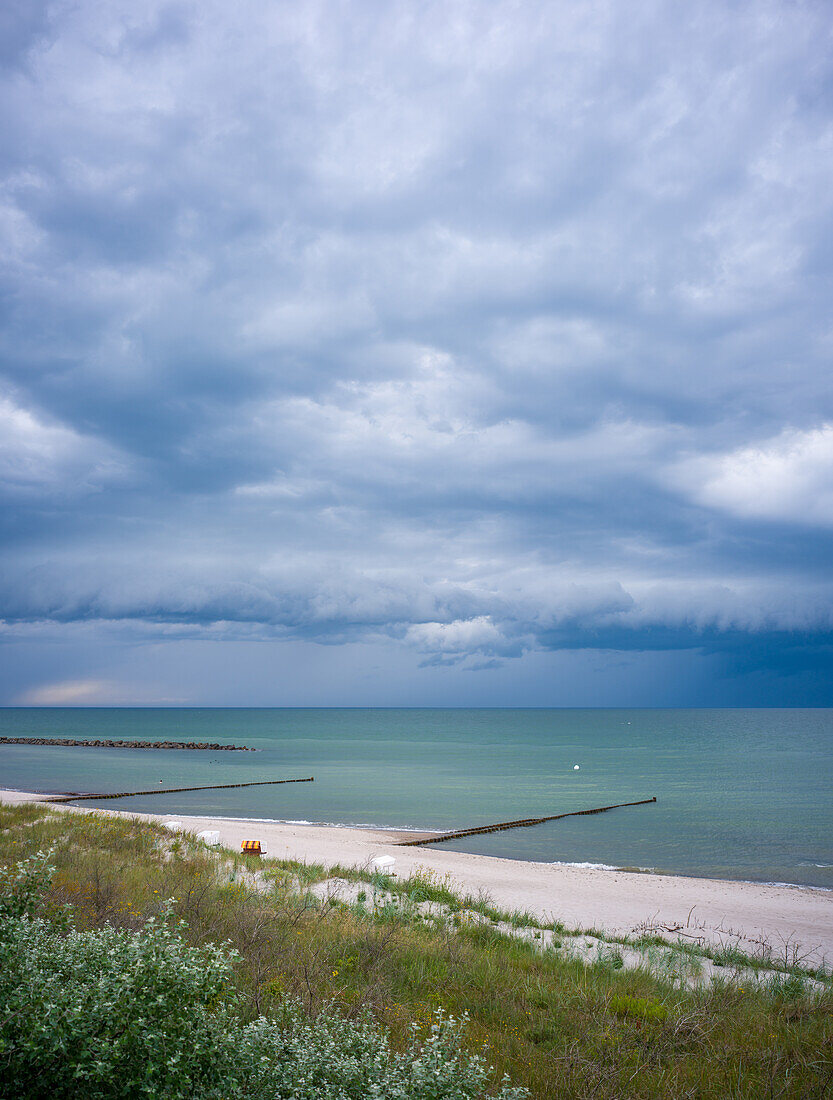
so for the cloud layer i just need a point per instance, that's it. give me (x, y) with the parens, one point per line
(475, 330)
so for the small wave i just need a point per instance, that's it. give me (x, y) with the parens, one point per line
(374, 826)
(586, 866)
(629, 870)
(792, 885)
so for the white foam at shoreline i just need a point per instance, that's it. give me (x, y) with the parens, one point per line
(597, 866)
(788, 885)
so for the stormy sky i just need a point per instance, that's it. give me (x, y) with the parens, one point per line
(413, 353)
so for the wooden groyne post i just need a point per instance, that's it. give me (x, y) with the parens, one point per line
(521, 823)
(70, 797)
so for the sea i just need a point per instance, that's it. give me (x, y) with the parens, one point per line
(740, 794)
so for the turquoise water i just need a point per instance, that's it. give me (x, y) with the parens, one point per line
(740, 793)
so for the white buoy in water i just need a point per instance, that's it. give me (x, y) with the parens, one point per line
(575, 767)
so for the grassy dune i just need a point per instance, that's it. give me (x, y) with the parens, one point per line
(551, 1022)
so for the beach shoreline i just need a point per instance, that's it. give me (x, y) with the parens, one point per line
(795, 921)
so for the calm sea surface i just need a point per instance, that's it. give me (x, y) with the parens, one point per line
(740, 793)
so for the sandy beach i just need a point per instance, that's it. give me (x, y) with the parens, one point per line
(796, 921)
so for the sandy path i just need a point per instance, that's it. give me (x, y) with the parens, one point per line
(792, 919)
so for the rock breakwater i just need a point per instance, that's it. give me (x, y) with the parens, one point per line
(102, 743)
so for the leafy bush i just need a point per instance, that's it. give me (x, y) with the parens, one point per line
(330, 1058)
(22, 885)
(110, 1014)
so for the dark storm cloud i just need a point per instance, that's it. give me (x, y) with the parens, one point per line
(483, 329)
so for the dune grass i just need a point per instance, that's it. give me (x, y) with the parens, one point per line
(554, 1024)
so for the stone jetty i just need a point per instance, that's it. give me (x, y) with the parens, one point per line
(103, 743)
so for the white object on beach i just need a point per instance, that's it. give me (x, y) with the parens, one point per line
(210, 836)
(575, 767)
(383, 864)
(175, 825)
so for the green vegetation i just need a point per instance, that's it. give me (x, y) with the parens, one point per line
(300, 984)
(117, 1013)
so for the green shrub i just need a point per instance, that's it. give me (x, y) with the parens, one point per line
(331, 1058)
(22, 886)
(110, 1013)
(114, 1014)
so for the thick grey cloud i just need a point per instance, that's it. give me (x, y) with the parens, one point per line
(471, 331)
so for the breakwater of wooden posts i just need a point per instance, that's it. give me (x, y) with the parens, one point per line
(69, 796)
(102, 743)
(521, 823)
